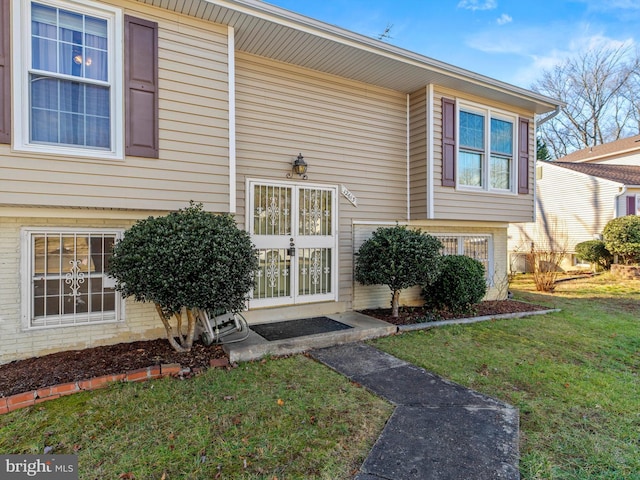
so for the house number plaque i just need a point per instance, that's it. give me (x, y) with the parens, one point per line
(348, 195)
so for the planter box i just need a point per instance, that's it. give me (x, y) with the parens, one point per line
(626, 272)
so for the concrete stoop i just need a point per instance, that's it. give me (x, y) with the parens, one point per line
(439, 429)
(254, 347)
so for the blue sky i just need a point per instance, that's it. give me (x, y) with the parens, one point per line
(510, 40)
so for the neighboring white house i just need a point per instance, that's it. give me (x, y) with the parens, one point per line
(625, 151)
(575, 199)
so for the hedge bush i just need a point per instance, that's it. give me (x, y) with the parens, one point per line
(188, 260)
(460, 285)
(398, 257)
(594, 252)
(622, 238)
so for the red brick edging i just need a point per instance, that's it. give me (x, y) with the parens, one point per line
(27, 399)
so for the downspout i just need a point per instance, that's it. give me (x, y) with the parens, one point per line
(548, 117)
(536, 124)
(616, 209)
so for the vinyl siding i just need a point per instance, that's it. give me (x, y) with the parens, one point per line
(455, 204)
(568, 215)
(621, 201)
(141, 321)
(617, 159)
(349, 133)
(194, 132)
(418, 153)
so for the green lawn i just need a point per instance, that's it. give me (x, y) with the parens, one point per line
(287, 418)
(572, 374)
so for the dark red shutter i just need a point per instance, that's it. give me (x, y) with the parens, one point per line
(523, 155)
(141, 87)
(5, 73)
(448, 142)
(631, 204)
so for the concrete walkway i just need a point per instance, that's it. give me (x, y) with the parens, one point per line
(439, 430)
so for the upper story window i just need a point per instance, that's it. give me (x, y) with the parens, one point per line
(486, 146)
(69, 81)
(485, 150)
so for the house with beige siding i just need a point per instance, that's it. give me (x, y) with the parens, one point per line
(115, 110)
(577, 198)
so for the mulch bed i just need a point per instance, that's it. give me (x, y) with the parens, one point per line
(71, 366)
(74, 365)
(412, 315)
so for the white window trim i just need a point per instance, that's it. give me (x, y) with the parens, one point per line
(21, 41)
(488, 113)
(27, 280)
(461, 236)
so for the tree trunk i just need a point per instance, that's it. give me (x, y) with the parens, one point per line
(395, 300)
(191, 329)
(170, 332)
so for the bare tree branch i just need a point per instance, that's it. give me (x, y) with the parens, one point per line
(601, 89)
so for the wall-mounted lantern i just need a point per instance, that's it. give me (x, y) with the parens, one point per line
(298, 167)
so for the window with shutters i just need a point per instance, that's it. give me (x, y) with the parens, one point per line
(484, 149)
(486, 143)
(69, 78)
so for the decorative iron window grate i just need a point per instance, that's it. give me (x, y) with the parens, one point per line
(68, 282)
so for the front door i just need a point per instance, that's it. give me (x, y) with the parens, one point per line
(294, 230)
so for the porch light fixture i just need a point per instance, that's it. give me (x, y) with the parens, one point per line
(299, 167)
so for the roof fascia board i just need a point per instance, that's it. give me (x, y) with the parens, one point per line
(576, 172)
(333, 33)
(616, 153)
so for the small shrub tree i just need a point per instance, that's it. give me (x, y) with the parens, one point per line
(622, 238)
(399, 258)
(189, 260)
(460, 285)
(594, 252)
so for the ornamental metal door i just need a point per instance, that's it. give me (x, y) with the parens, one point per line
(294, 230)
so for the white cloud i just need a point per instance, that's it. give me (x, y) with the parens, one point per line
(541, 61)
(478, 4)
(530, 51)
(504, 19)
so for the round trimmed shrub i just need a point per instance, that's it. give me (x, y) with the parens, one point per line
(460, 286)
(398, 257)
(594, 252)
(189, 260)
(622, 238)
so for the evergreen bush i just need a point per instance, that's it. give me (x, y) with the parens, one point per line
(189, 260)
(460, 285)
(594, 252)
(622, 238)
(400, 258)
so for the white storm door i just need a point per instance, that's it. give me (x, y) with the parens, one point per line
(294, 230)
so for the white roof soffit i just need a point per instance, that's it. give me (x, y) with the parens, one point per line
(272, 32)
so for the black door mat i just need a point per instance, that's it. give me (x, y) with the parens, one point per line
(297, 328)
